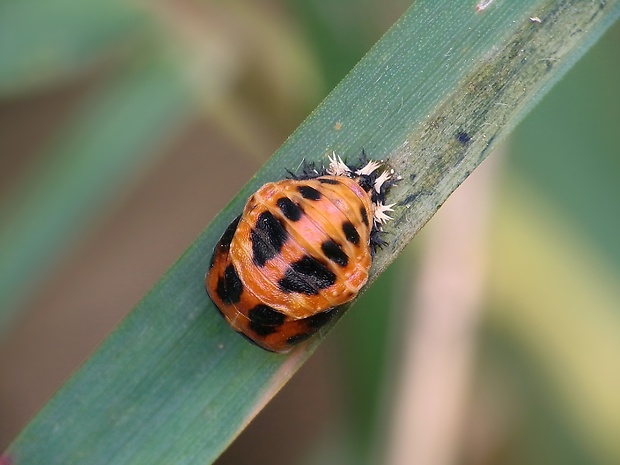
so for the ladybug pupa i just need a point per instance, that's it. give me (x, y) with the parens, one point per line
(301, 249)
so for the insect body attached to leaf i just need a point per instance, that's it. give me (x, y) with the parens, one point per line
(301, 249)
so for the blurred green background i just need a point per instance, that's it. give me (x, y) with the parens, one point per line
(125, 127)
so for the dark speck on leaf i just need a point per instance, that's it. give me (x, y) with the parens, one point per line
(463, 137)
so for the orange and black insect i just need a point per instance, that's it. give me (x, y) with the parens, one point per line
(301, 249)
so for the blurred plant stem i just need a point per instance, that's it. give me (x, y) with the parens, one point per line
(445, 308)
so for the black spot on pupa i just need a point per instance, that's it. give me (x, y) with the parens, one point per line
(364, 214)
(221, 290)
(272, 229)
(261, 329)
(289, 208)
(328, 181)
(266, 315)
(306, 276)
(223, 245)
(463, 137)
(350, 232)
(229, 286)
(320, 319)
(297, 338)
(261, 251)
(334, 252)
(309, 193)
(228, 235)
(267, 238)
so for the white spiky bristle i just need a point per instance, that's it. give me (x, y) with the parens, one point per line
(337, 167)
(381, 216)
(382, 179)
(369, 168)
